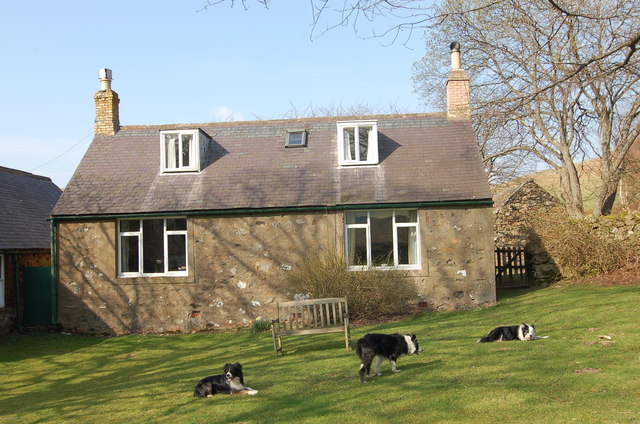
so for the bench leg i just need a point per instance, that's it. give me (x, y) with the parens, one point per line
(275, 340)
(347, 338)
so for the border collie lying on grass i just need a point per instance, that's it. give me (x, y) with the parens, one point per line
(522, 332)
(390, 346)
(231, 382)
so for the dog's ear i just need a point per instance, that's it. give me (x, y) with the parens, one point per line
(238, 366)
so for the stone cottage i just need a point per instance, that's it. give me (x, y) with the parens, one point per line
(188, 227)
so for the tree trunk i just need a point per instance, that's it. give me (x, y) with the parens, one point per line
(571, 192)
(606, 199)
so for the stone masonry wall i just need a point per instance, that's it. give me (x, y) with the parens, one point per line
(237, 266)
(512, 229)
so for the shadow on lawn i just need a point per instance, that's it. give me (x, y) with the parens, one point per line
(18, 347)
(504, 294)
(68, 373)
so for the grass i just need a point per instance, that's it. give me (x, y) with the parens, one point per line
(573, 376)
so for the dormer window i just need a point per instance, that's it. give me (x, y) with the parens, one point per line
(358, 143)
(180, 151)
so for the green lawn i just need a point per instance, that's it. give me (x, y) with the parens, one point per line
(573, 376)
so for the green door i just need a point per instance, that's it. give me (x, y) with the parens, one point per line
(38, 296)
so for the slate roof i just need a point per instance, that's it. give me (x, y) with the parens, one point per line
(26, 201)
(423, 158)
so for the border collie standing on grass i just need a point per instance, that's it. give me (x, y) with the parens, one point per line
(390, 346)
(231, 382)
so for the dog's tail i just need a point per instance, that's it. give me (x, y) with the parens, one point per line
(199, 391)
(485, 339)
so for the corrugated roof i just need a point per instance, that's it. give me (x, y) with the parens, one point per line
(423, 158)
(26, 201)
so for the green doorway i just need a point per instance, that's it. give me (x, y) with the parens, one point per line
(38, 296)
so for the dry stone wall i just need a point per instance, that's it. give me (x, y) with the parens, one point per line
(511, 227)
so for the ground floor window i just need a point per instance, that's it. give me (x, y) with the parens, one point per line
(2, 304)
(152, 247)
(382, 239)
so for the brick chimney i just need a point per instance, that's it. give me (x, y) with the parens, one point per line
(458, 103)
(107, 116)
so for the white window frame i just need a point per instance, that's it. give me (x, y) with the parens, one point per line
(396, 225)
(165, 237)
(194, 152)
(2, 284)
(372, 147)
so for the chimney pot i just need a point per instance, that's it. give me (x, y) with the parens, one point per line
(455, 55)
(105, 78)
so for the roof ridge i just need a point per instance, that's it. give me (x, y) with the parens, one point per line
(25, 173)
(288, 120)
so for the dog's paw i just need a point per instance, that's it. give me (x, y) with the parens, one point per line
(252, 392)
(395, 370)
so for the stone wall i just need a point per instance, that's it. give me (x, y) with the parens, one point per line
(511, 227)
(622, 226)
(237, 266)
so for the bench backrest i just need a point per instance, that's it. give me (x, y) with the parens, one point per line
(313, 313)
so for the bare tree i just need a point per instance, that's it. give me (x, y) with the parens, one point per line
(533, 94)
(400, 20)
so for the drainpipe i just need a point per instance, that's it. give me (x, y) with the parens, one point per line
(54, 286)
(16, 271)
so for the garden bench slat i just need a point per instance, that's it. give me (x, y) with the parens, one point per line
(312, 316)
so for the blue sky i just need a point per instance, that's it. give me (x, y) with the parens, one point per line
(173, 64)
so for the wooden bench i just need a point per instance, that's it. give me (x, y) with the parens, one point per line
(312, 316)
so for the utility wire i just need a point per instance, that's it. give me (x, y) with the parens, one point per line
(73, 147)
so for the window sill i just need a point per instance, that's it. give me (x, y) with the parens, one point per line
(359, 165)
(159, 279)
(385, 268)
(179, 171)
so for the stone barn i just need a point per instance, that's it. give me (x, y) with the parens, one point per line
(513, 233)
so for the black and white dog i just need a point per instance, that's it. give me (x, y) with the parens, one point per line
(523, 332)
(390, 346)
(231, 382)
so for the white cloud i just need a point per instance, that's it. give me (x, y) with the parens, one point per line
(224, 114)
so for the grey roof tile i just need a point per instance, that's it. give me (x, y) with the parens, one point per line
(423, 158)
(26, 201)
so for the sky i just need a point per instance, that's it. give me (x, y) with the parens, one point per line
(175, 63)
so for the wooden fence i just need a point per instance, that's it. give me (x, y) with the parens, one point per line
(513, 267)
